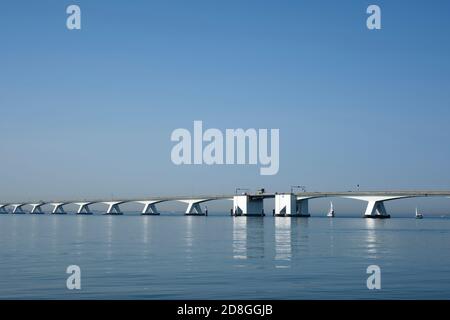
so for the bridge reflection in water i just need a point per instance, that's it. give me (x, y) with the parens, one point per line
(248, 238)
(279, 240)
(283, 242)
(287, 238)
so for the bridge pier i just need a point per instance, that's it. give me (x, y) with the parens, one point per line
(149, 208)
(113, 208)
(36, 208)
(194, 208)
(376, 210)
(289, 205)
(375, 205)
(3, 208)
(17, 208)
(58, 208)
(285, 204)
(247, 205)
(302, 207)
(84, 207)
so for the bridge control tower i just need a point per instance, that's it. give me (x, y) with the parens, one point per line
(248, 205)
(289, 204)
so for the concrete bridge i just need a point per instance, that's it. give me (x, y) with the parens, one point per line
(246, 204)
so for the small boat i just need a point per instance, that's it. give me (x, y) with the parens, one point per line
(418, 215)
(331, 211)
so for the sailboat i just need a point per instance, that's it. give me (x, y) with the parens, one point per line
(331, 211)
(418, 215)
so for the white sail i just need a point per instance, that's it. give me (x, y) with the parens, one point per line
(418, 215)
(331, 211)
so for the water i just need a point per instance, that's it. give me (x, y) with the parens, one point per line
(220, 257)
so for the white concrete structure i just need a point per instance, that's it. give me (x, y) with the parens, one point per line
(150, 207)
(113, 207)
(194, 208)
(58, 207)
(17, 208)
(3, 208)
(248, 205)
(83, 207)
(288, 204)
(375, 205)
(285, 204)
(36, 208)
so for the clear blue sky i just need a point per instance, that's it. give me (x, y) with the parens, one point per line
(89, 113)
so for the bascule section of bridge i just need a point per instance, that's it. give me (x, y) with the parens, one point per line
(245, 204)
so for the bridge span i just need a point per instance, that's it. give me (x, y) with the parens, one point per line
(245, 204)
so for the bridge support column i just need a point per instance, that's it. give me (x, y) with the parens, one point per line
(83, 207)
(285, 204)
(17, 208)
(149, 208)
(375, 205)
(36, 208)
(246, 205)
(58, 208)
(376, 210)
(3, 209)
(113, 208)
(194, 208)
(302, 208)
(289, 205)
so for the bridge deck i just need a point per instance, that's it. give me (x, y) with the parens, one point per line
(393, 193)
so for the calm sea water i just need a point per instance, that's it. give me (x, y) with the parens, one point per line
(220, 257)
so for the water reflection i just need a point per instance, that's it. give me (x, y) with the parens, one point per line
(80, 234)
(218, 247)
(371, 238)
(55, 231)
(239, 237)
(109, 235)
(295, 241)
(80, 227)
(14, 231)
(331, 232)
(283, 246)
(248, 238)
(300, 238)
(146, 235)
(255, 237)
(34, 222)
(189, 240)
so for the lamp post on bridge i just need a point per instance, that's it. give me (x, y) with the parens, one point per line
(241, 189)
(303, 188)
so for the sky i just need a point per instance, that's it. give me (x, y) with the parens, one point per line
(89, 113)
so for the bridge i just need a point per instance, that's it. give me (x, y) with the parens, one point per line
(245, 204)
